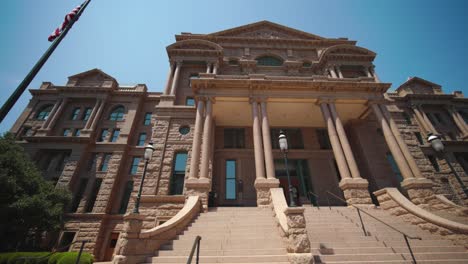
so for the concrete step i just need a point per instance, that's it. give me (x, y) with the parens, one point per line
(222, 259)
(370, 250)
(228, 252)
(393, 256)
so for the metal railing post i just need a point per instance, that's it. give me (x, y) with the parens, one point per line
(362, 222)
(198, 250)
(196, 244)
(409, 248)
(81, 251)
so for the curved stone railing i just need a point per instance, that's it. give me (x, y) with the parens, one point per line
(459, 210)
(292, 225)
(392, 200)
(134, 245)
(190, 209)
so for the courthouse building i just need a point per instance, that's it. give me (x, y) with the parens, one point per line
(215, 132)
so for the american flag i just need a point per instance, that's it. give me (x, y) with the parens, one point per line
(65, 23)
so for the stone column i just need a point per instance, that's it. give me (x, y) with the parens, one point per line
(167, 89)
(57, 113)
(270, 167)
(175, 80)
(51, 114)
(207, 138)
(332, 72)
(401, 143)
(430, 126)
(376, 77)
(392, 144)
(257, 140)
(93, 113)
(458, 120)
(208, 67)
(420, 119)
(338, 69)
(335, 142)
(215, 68)
(368, 73)
(195, 159)
(355, 189)
(344, 143)
(98, 115)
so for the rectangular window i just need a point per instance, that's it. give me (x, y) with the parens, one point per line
(105, 162)
(78, 195)
(234, 138)
(394, 166)
(147, 120)
(134, 167)
(87, 113)
(407, 118)
(434, 162)
(230, 180)
(293, 135)
(103, 135)
(419, 138)
(75, 113)
(190, 101)
(126, 197)
(66, 132)
(178, 175)
(115, 135)
(77, 132)
(92, 198)
(323, 139)
(141, 139)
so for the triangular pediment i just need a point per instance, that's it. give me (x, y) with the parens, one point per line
(416, 85)
(94, 77)
(266, 30)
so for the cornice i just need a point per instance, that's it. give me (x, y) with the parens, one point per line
(266, 41)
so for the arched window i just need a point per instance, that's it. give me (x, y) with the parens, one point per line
(178, 174)
(269, 61)
(117, 114)
(43, 114)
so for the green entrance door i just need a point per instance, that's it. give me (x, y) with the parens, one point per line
(300, 180)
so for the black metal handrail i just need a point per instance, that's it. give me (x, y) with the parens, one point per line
(405, 236)
(316, 197)
(83, 242)
(196, 244)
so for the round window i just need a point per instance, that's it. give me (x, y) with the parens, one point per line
(184, 130)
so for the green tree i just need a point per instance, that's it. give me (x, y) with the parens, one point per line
(29, 205)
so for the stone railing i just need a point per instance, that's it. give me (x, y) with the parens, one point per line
(451, 206)
(135, 245)
(392, 200)
(292, 225)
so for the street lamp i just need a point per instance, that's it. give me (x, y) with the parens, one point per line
(283, 143)
(148, 154)
(438, 146)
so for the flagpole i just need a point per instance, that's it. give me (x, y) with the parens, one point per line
(27, 80)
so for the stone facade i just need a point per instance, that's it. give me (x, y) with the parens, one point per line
(215, 129)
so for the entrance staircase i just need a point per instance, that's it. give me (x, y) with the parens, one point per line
(336, 236)
(229, 235)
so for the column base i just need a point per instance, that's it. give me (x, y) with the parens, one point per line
(199, 187)
(419, 190)
(356, 191)
(263, 186)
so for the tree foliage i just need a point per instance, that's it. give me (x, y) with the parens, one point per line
(29, 204)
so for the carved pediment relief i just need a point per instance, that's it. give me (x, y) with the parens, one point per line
(266, 30)
(416, 85)
(92, 78)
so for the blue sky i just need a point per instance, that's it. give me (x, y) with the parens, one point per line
(127, 39)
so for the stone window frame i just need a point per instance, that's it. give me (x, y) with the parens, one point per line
(269, 60)
(117, 116)
(44, 112)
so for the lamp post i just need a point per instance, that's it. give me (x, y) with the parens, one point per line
(148, 154)
(283, 143)
(438, 146)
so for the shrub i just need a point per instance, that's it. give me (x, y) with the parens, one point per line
(44, 258)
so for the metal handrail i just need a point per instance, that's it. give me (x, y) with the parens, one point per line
(196, 244)
(406, 236)
(83, 242)
(316, 197)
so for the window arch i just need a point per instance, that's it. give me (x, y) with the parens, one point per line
(178, 173)
(269, 61)
(44, 112)
(117, 113)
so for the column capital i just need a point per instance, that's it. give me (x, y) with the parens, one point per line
(258, 99)
(325, 100)
(205, 98)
